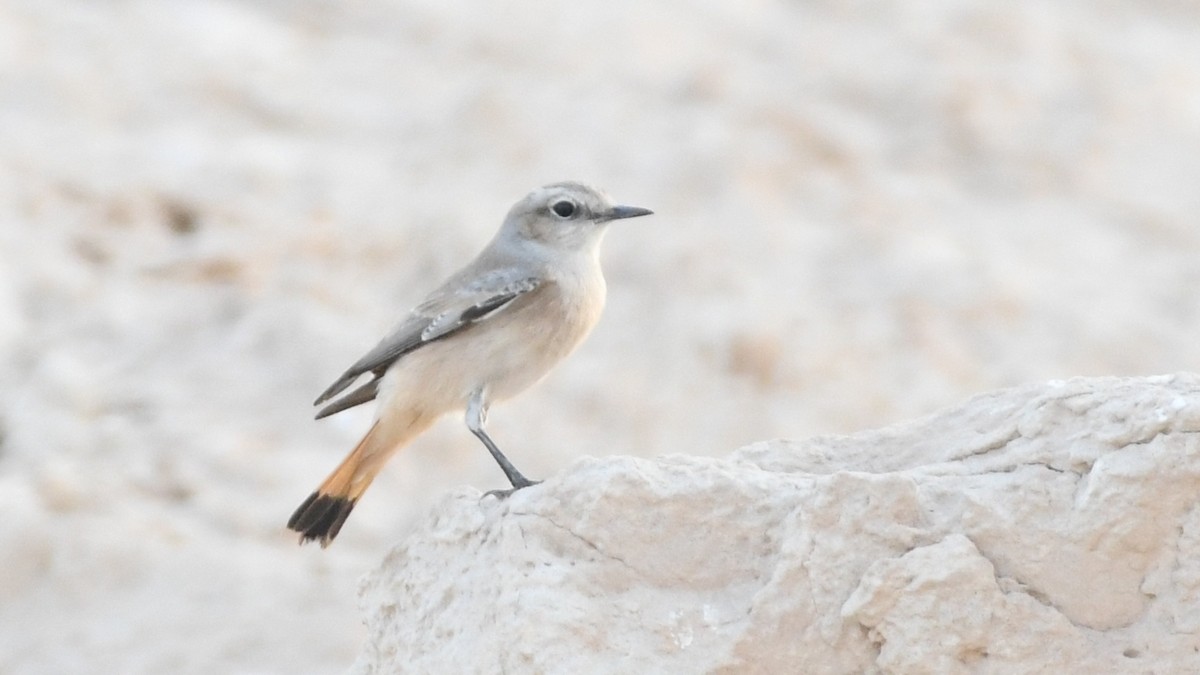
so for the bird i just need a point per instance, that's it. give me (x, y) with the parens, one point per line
(489, 332)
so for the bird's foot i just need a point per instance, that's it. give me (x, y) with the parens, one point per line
(505, 494)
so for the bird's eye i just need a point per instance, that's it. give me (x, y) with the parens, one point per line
(563, 209)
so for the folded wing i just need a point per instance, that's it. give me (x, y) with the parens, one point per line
(445, 312)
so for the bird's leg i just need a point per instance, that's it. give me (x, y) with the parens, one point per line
(476, 417)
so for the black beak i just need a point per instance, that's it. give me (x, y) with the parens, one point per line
(619, 212)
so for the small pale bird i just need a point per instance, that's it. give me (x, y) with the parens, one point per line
(490, 331)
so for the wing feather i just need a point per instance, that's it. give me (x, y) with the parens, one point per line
(446, 311)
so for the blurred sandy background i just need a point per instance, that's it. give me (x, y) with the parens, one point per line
(865, 211)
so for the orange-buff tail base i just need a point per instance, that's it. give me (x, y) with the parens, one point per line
(321, 516)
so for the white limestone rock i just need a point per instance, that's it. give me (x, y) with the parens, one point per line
(1049, 528)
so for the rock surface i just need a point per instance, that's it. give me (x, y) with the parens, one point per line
(865, 212)
(1049, 528)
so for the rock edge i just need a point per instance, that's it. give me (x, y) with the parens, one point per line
(1052, 528)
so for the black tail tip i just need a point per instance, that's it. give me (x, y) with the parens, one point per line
(320, 518)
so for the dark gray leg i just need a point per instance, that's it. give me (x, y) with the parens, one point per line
(476, 417)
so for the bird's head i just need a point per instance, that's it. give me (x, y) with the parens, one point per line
(568, 216)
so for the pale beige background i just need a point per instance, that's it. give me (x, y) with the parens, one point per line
(865, 211)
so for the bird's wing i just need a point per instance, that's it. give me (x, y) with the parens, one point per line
(449, 309)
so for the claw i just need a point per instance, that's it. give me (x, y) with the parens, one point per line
(505, 494)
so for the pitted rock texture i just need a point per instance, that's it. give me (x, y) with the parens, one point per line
(1049, 528)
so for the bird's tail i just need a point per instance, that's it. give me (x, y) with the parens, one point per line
(321, 516)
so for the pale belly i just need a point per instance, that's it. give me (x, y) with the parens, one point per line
(504, 354)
